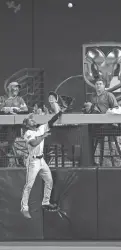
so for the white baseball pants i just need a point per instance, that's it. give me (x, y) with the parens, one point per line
(34, 167)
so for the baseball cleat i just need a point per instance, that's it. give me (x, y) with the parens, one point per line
(26, 214)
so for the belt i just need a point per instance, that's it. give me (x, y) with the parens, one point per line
(37, 157)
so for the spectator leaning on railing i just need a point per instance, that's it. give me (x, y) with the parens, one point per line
(101, 100)
(11, 102)
(100, 103)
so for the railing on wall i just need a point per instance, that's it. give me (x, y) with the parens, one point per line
(13, 149)
(69, 145)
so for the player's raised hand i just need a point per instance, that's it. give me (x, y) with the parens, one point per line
(46, 134)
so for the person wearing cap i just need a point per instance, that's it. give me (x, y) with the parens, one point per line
(11, 102)
(101, 99)
(35, 163)
(53, 100)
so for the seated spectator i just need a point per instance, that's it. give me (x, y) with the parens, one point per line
(11, 102)
(39, 111)
(101, 99)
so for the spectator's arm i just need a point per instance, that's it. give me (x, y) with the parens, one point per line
(112, 101)
(23, 106)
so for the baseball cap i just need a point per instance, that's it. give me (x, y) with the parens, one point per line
(53, 94)
(11, 84)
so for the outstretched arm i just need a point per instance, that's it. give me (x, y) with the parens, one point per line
(54, 119)
(23, 106)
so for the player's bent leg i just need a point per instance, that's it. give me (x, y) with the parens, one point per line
(32, 172)
(46, 175)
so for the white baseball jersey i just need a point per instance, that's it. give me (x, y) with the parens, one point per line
(30, 135)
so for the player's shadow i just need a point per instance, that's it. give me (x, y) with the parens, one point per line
(63, 182)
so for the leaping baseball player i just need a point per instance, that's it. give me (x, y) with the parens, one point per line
(35, 163)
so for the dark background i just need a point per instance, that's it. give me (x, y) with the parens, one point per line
(47, 34)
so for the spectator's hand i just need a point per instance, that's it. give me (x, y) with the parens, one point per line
(12, 110)
(16, 110)
(114, 111)
(87, 106)
(46, 134)
(109, 111)
(45, 109)
(6, 110)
